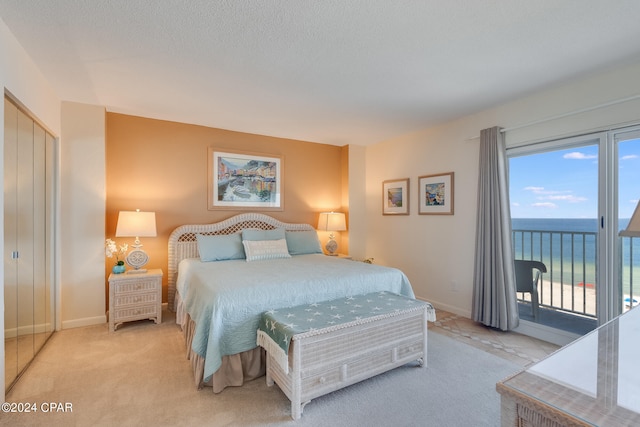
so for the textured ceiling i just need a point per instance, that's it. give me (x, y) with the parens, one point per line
(330, 71)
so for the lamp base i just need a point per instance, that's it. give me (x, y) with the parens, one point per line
(137, 259)
(331, 247)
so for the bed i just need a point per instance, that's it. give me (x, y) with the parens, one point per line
(223, 276)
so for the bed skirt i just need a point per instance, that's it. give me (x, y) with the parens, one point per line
(235, 369)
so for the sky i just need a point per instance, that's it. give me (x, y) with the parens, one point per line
(564, 183)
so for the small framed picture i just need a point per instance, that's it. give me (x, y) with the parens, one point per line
(395, 197)
(435, 194)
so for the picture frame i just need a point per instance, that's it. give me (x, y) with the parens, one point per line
(395, 197)
(245, 181)
(436, 194)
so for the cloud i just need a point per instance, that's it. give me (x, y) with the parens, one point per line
(541, 190)
(547, 205)
(629, 157)
(576, 155)
(533, 189)
(568, 198)
(547, 197)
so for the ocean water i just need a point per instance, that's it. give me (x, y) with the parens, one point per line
(562, 224)
(568, 246)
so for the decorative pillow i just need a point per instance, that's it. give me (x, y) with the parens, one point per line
(220, 247)
(254, 234)
(265, 249)
(303, 242)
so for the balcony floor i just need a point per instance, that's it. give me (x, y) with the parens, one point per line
(558, 319)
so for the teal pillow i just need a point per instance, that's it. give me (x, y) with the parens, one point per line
(303, 242)
(253, 234)
(220, 247)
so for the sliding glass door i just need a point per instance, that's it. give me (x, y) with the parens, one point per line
(554, 196)
(628, 177)
(570, 199)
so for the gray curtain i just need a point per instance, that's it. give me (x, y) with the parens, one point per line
(494, 289)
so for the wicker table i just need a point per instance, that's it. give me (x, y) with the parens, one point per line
(593, 381)
(135, 296)
(317, 361)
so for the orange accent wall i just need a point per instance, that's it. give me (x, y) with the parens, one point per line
(161, 166)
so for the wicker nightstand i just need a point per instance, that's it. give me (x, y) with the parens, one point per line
(343, 256)
(135, 296)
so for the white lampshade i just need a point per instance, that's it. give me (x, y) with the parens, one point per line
(136, 224)
(332, 221)
(633, 229)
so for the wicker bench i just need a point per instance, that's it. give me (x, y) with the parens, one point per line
(380, 332)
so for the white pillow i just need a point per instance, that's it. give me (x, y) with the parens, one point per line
(256, 250)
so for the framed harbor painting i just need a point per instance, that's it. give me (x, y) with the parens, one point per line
(435, 194)
(395, 197)
(241, 180)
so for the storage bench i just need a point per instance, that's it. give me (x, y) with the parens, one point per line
(318, 348)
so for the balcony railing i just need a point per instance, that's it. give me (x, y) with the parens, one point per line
(569, 285)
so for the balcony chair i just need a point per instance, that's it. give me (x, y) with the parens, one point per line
(527, 279)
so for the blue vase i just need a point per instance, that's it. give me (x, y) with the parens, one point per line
(118, 269)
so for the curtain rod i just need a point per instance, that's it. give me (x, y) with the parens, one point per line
(563, 115)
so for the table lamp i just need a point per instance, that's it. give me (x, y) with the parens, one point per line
(332, 221)
(136, 224)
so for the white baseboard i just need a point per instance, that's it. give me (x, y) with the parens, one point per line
(87, 321)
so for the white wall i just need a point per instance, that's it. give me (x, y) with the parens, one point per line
(82, 220)
(437, 252)
(22, 79)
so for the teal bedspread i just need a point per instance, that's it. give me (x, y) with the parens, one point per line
(226, 298)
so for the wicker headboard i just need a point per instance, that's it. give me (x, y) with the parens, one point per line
(183, 243)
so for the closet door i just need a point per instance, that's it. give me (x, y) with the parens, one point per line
(10, 238)
(25, 240)
(29, 239)
(49, 215)
(39, 238)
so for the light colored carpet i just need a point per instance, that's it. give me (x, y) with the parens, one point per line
(139, 376)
